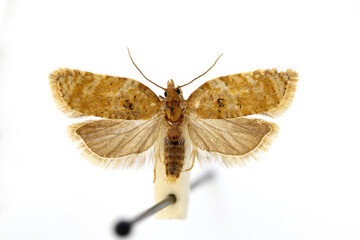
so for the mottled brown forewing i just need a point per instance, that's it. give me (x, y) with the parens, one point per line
(258, 92)
(84, 93)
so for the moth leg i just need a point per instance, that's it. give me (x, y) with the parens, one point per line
(155, 170)
(193, 161)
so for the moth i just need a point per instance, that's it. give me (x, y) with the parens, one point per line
(137, 126)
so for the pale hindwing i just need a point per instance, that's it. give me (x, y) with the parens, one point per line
(229, 141)
(118, 143)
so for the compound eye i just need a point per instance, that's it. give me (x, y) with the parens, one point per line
(165, 94)
(178, 91)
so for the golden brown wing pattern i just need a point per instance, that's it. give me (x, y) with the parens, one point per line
(83, 93)
(259, 92)
(229, 141)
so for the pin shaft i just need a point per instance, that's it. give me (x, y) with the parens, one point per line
(123, 228)
(156, 208)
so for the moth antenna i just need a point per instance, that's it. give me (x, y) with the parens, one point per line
(142, 73)
(203, 73)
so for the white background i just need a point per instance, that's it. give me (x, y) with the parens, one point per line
(305, 187)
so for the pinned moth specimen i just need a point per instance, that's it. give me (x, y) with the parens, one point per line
(137, 126)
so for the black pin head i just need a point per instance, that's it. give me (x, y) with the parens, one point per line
(123, 228)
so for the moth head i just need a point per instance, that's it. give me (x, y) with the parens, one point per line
(172, 92)
(173, 102)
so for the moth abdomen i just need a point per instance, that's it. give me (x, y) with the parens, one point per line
(174, 152)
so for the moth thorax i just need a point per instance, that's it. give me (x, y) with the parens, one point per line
(173, 110)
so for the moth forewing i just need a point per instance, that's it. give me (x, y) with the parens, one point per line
(243, 94)
(80, 93)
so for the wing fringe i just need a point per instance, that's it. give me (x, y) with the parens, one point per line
(58, 96)
(288, 96)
